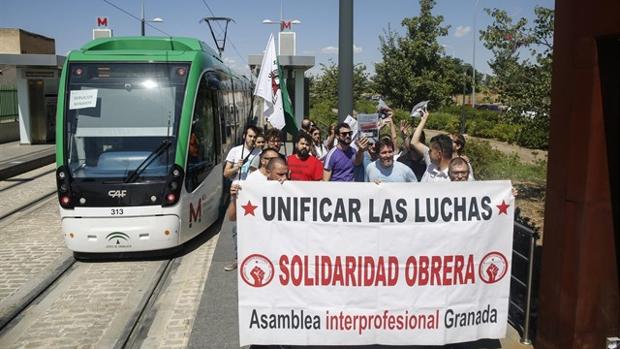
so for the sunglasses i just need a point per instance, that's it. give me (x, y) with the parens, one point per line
(346, 133)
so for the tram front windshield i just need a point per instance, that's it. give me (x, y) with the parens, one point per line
(122, 118)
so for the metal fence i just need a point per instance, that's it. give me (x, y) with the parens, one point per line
(523, 307)
(8, 104)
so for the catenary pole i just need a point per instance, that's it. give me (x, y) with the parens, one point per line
(345, 60)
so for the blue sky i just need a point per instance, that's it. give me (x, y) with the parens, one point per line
(70, 23)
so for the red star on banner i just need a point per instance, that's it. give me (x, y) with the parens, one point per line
(503, 208)
(249, 208)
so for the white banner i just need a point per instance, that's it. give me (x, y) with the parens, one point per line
(360, 263)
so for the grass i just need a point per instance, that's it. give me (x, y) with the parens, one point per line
(529, 179)
(489, 163)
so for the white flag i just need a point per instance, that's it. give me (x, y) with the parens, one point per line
(268, 87)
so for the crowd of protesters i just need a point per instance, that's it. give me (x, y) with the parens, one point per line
(346, 155)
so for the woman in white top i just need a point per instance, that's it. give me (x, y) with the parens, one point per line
(319, 149)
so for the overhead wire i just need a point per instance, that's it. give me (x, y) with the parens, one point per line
(135, 17)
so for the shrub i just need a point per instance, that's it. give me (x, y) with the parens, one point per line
(505, 132)
(489, 164)
(533, 137)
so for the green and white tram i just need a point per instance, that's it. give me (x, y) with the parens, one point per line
(143, 126)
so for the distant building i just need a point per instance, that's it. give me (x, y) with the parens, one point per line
(18, 41)
(29, 71)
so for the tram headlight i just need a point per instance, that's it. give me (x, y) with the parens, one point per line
(171, 198)
(63, 183)
(173, 186)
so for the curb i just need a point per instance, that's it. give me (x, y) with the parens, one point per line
(26, 163)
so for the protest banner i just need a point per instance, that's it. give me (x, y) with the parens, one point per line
(360, 263)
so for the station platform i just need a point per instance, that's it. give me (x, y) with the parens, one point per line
(216, 324)
(18, 158)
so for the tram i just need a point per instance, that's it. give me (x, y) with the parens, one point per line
(143, 127)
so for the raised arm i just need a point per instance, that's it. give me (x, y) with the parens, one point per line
(331, 137)
(362, 145)
(415, 139)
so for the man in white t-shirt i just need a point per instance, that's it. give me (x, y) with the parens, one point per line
(437, 157)
(257, 176)
(239, 158)
(261, 173)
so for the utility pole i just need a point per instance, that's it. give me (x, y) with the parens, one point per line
(142, 19)
(473, 73)
(345, 60)
(462, 128)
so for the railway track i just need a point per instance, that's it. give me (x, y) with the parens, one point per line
(21, 193)
(63, 302)
(107, 303)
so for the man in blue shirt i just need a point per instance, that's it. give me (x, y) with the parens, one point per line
(385, 169)
(341, 159)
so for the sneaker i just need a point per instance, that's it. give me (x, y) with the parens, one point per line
(231, 266)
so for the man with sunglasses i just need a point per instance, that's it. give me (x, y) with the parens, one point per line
(261, 173)
(342, 159)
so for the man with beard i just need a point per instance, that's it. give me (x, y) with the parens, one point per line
(239, 158)
(341, 159)
(302, 165)
(385, 169)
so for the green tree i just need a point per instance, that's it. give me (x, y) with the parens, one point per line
(458, 73)
(324, 91)
(413, 68)
(523, 84)
(325, 86)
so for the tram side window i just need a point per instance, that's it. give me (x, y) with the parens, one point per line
(203, 148)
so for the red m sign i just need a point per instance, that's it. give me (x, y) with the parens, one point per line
(285, 25)
(102, 21)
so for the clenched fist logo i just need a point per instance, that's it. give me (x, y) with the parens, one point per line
(258, 274)
(256, 270)
(493, 267)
